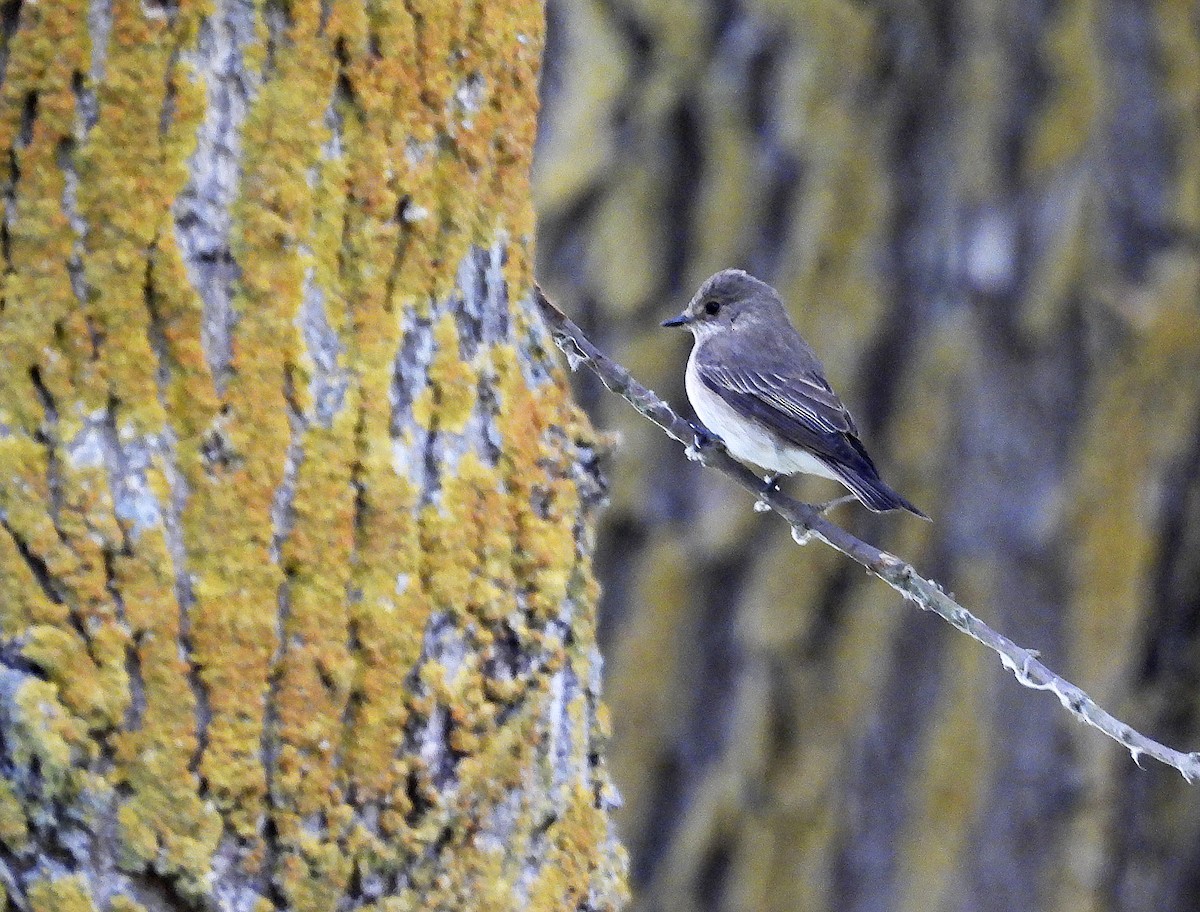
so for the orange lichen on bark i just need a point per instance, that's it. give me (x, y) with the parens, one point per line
(123, 201)
(229, 521)
(37, 122)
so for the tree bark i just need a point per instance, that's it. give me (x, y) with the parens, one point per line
(296, 599)
(985, 218)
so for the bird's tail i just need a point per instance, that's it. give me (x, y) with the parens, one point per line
(873, 491)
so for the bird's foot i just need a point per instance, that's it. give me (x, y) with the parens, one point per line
(769, 486)
(702, 439)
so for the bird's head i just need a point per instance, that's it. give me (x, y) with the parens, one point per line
(730, 300)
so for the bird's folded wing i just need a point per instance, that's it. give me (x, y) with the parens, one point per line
(800, 408)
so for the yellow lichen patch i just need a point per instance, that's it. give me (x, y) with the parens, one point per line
(576, 839)
(125, 904)
(164, 822)
(66, 659)
(123, 199)
(22, 600)
(48, 735)
(389, 620)
(235, 485)
(316, 673)
(86, 657)
(544, 499)
(37, 121)
(190, 394)
(14, 828)
(1179, 60)
(66, 894)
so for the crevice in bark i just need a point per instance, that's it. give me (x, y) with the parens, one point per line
(277, 14)
(166, 114)
(358, 485)
(877, 800)
(9, 191)
(29, 111)
(48, 436)
(10, 18)
(198, 688)
(403, 236)
(329, 380)
(272, 743)
(285, 493)
(136, 711)
(70, 208)
(418, 24)
(50, 587)
(156, 333)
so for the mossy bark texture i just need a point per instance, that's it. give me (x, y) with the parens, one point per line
(986, 218)
(296, 607)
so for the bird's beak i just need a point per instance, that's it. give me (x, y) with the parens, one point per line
(682, 320)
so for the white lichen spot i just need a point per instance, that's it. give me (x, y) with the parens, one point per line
(402, 581)
(692, 453)
(801, 535)
(761, 506)
(86, 451)
(137, 505)
(412, 214)
(415, 152)
(470, 93)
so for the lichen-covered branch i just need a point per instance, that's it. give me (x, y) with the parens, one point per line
(807, 521)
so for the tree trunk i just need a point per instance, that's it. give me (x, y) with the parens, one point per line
(986, 219)
(297, 603)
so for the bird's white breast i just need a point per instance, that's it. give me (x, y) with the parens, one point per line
(744, 438)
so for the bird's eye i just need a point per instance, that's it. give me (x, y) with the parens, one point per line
(712, 308)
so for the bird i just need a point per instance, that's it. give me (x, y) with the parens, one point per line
(758, 386)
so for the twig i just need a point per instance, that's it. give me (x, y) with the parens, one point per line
(806, 521)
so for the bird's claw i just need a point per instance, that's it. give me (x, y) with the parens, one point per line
(703, 438)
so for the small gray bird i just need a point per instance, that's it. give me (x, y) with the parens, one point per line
(758, 386)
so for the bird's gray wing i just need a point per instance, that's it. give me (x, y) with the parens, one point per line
(802, 396)
(798, 406)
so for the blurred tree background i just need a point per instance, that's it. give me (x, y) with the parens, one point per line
(985, 218)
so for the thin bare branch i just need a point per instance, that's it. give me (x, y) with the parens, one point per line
(807, 521)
